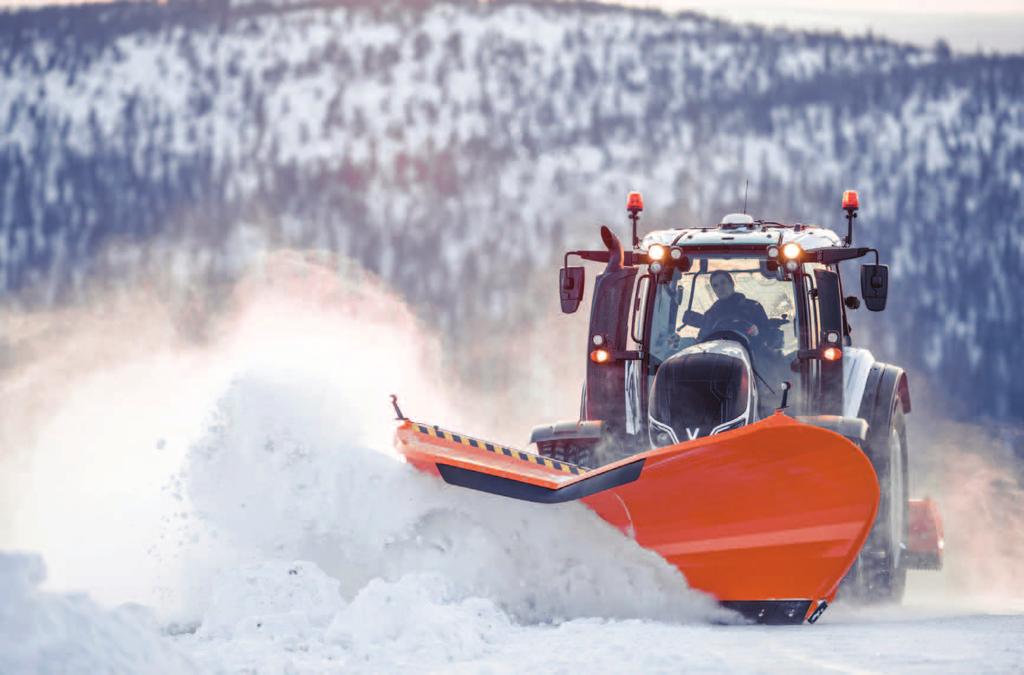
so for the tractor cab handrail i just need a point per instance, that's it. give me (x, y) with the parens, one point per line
(827, 255)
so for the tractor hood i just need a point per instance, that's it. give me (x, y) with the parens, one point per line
(701, 390)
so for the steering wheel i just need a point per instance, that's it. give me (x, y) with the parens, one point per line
(733, 328)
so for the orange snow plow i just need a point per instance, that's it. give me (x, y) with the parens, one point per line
(767, 518)
(773, 506)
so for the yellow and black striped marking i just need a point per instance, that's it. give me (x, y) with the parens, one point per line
(437, 432)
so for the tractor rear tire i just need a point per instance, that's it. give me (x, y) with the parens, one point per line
(879, 574)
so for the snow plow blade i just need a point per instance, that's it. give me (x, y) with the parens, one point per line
(767, 518)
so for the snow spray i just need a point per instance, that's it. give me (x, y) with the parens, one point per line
(148, 455)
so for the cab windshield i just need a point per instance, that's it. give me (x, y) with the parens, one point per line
(688, 308)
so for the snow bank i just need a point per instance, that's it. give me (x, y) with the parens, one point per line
(277, 478)
(246, 485)
(424, 616)
(397, 570)
(281, 600)
(44, 632)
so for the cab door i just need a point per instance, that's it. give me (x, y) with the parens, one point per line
(821, 318)
(809, 330)
(829, 298)
(605, 393)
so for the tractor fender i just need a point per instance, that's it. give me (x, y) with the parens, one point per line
(885, 385)
(857, 363)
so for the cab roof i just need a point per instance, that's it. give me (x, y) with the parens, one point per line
(746, 232)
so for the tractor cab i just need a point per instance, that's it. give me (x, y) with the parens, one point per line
(734, 299)
(701, 330)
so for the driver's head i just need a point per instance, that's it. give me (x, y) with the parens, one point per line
(722, 284)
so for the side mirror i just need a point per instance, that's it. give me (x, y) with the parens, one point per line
(570, 288)
(874, 286)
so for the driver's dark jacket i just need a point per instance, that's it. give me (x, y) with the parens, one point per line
(736, 306)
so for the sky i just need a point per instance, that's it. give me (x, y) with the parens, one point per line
(967, 25)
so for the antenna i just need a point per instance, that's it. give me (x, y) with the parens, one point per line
(746, 189)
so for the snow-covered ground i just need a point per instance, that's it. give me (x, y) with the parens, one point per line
(289, 617)
(231, 504)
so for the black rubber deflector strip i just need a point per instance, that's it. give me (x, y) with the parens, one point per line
(506, 487)
(772, 612)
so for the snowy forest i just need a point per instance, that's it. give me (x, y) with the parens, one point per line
(455, 149)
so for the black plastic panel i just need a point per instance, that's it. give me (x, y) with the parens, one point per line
(506, 487)
(771, 612)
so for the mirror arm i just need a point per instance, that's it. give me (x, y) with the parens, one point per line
(830, 256)
(592, 256)
(630, 258)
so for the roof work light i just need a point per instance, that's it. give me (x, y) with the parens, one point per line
(635, 202)
(634, 205)
(851, 202)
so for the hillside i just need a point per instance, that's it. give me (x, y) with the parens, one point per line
(455, 149)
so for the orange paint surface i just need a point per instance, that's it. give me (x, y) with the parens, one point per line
(776, 510)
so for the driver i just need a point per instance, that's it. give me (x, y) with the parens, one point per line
(731, 305)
